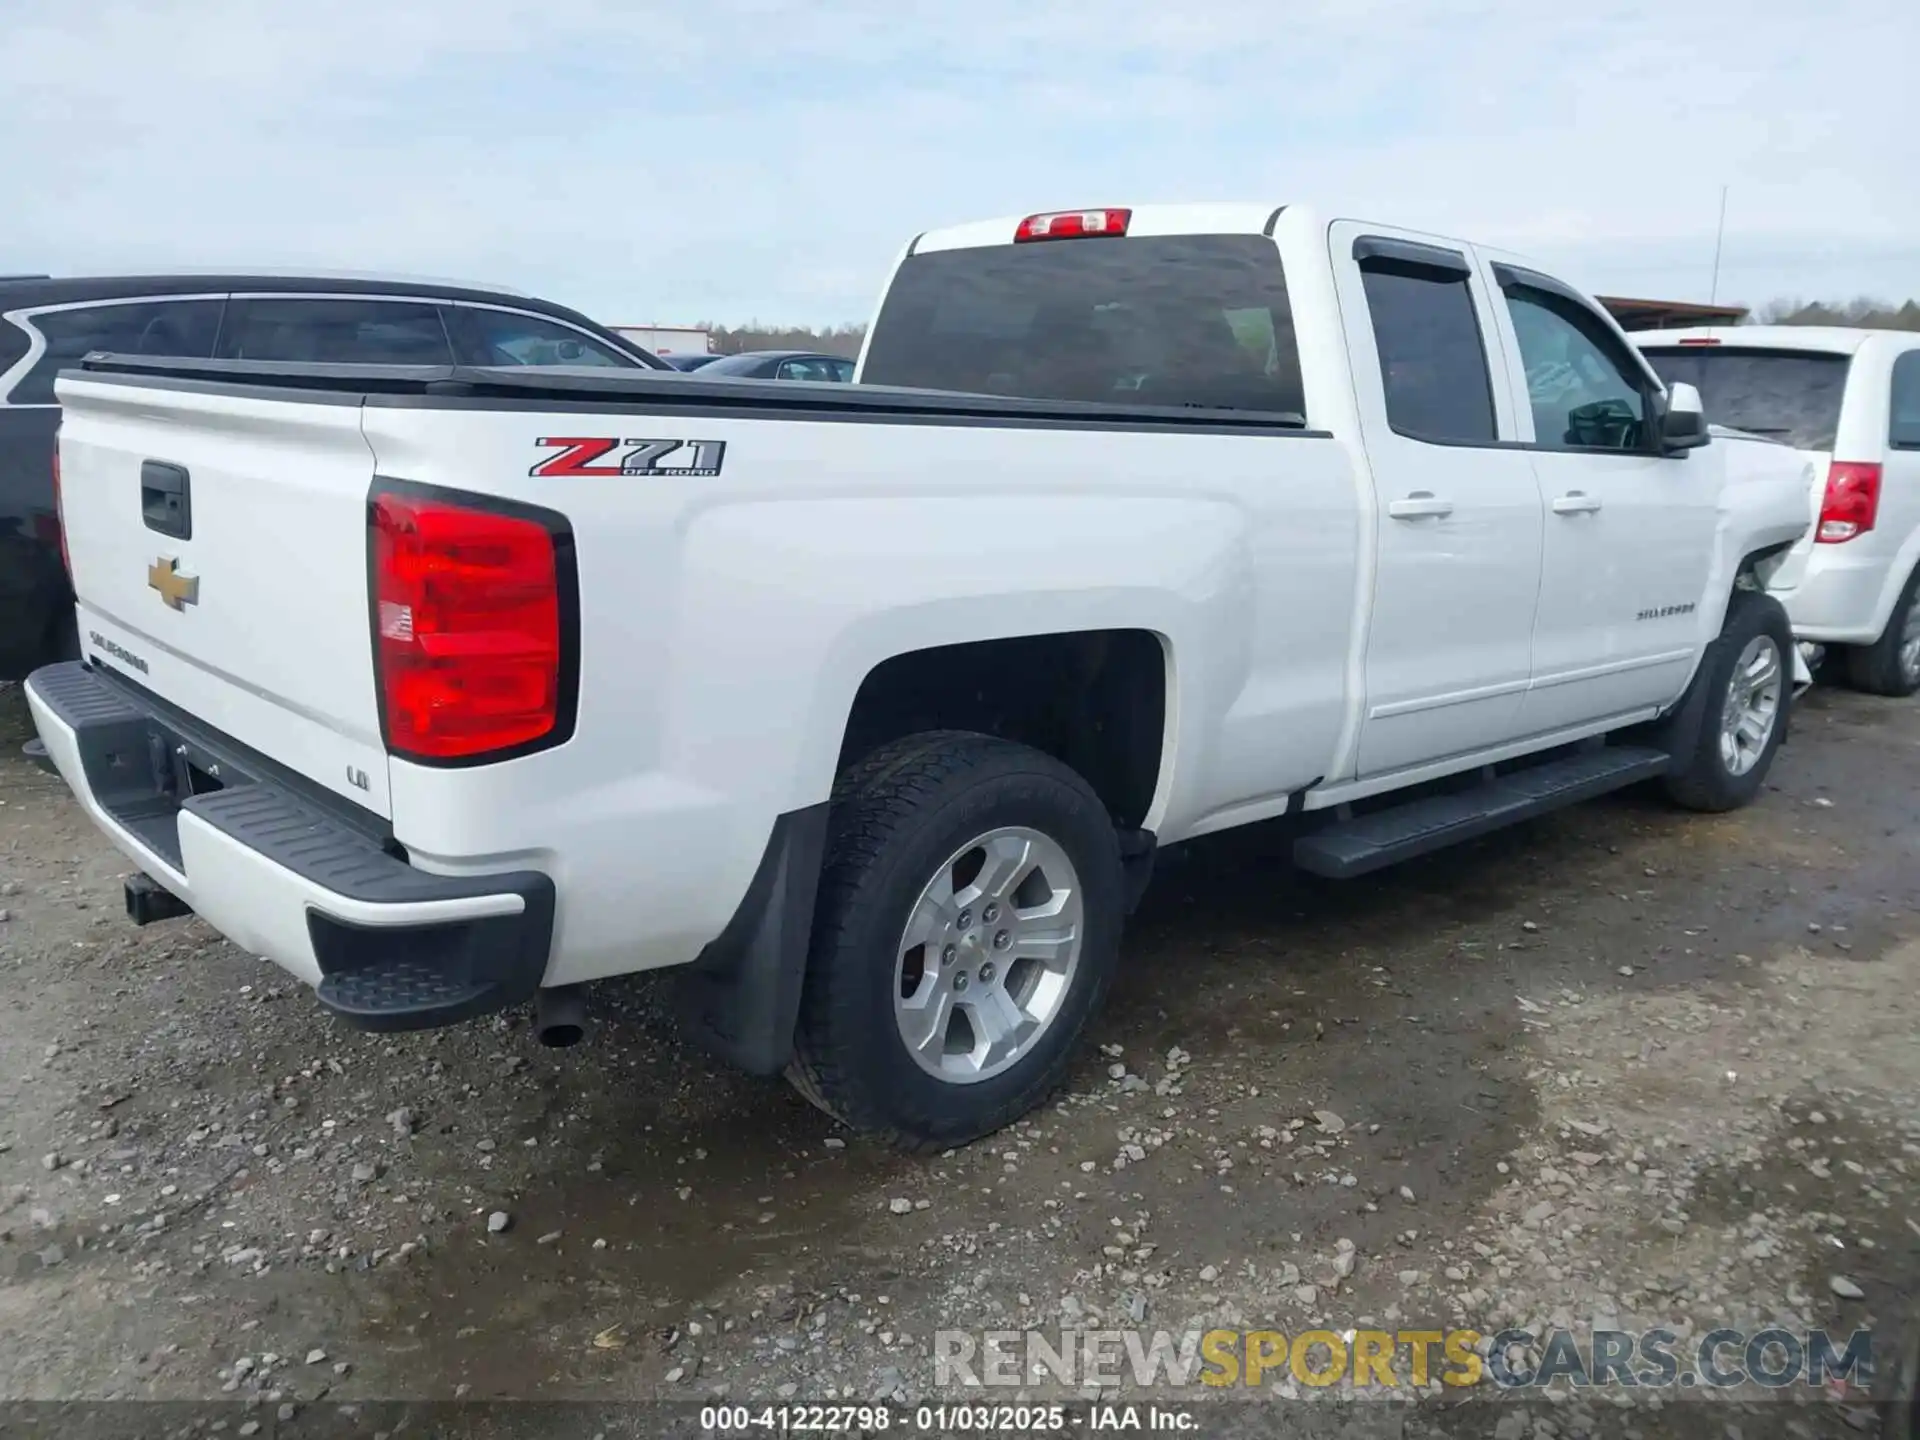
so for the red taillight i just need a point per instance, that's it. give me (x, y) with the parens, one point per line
(60, 513)
(1852, 501)
(467, 627)
(1073, 224)
(1699, 342)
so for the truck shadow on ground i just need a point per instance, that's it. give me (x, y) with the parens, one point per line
(1393, 1001)
(1389, 1001)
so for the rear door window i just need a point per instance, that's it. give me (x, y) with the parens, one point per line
(819, 370)
(1183, 320)
(1787, 395)
(1904, 432)
(147, 327)
(1433, 362)
(343, 331)
(506, 337)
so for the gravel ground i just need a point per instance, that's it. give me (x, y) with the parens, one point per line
(1623, 1067)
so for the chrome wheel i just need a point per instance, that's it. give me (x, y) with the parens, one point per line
(1910, 640)
(988, 955)
(1753, 705)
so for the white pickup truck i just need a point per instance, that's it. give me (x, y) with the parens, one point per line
(867, 706)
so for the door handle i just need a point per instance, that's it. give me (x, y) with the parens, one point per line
(1419, 505)
(166, 499)
(1576, 502)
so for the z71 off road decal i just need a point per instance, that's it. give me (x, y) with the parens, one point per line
(582, 455)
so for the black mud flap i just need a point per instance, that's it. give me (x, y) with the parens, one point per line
(741, 999)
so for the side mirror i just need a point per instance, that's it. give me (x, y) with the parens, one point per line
(1683, 420)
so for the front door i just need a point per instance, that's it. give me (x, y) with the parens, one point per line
(1629, 532)
(1458, 514)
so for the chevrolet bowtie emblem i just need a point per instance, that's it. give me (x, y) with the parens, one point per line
(179, 591)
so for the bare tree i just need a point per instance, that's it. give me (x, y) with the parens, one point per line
(1864, 311)
(833, 340)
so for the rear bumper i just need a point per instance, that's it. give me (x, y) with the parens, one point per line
(1838, 599)
(287, 874)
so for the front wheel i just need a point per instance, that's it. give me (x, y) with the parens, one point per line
(1743, 688)
(1891, 665)
(968, 925)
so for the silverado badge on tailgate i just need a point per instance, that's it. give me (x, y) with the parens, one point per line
(179, 591)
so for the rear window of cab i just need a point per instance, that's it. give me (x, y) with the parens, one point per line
(1198, 321)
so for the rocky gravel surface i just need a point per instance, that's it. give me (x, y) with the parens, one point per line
(1622, 1069)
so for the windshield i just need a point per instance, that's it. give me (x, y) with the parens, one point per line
(1789, 395)
(1196, 320)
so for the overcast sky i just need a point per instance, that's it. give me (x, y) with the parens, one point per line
(678, 160)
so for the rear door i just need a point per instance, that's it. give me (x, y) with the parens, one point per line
(1459, 516)
(1629, 537)
(1901, 486)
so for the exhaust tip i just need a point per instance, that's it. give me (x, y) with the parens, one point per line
(560, 1016)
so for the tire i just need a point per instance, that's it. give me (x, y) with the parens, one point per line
(1891, 665)
(1706, 775)
(901, 819)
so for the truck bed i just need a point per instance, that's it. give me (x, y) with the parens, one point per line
(673, 393)
(741, 558)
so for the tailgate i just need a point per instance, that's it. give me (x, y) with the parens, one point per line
(219, 551)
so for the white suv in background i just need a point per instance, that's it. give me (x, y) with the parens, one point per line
(1849, 400)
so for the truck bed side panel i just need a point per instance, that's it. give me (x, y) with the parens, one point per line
(729, 619)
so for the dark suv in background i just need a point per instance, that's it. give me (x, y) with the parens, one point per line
(47, 324)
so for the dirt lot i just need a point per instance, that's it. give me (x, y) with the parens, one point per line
(1622, 1068)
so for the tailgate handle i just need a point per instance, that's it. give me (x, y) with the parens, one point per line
(166, 499)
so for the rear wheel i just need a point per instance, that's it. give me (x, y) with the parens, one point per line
(968, 925)
(1891, 665)
(1743, 686)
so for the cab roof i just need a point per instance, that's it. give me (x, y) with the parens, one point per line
(1206, 218)
(1230, 218)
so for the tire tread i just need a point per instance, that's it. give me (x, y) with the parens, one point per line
(875, 801)
(1875, 669)
(1699, 780)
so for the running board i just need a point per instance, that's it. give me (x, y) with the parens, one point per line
(1372, 842)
